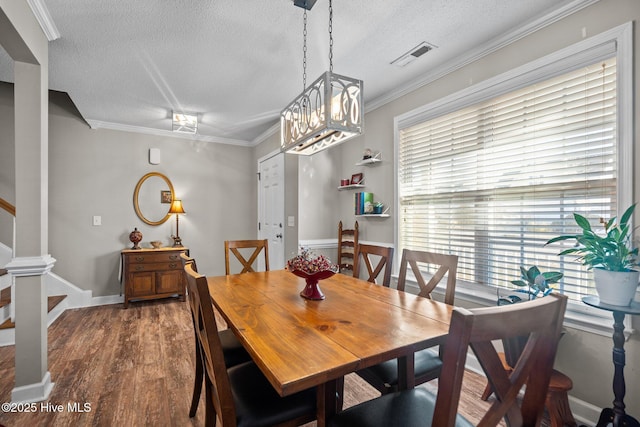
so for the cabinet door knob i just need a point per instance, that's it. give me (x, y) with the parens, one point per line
(139, 267)
(173, 256)
(139, 258)
(173, 265)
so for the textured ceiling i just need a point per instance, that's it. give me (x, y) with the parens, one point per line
(128, 64)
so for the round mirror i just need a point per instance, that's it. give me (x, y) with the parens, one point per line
(152, 198)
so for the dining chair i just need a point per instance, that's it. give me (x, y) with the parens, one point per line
(427, 362)
(557, 400)
(233, 351)
(234, 246)
(347, 243)
(240, 395)
(540, 320)
(382, 258)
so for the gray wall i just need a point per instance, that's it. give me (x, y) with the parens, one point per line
(7, 165)
(584, 356)
(94, 172)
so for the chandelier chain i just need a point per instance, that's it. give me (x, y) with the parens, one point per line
(330, 36)
(304, 53)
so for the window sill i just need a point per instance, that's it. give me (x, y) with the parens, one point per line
(578, 316)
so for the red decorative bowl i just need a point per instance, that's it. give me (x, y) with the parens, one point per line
(312, 291)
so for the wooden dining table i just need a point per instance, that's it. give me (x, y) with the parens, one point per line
(299, 343)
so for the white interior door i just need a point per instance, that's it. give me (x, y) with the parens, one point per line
(271, 208)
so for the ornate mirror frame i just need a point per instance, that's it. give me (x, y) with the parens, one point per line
(136, 194)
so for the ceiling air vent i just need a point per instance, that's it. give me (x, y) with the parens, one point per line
(413, 54)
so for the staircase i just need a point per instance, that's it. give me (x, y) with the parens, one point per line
(61, 295)
(5, 299)
(5, 295)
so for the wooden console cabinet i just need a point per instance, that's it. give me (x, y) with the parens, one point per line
(153, 273)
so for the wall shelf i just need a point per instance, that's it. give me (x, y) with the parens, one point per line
(373, 216)
(350, 187)
(369, 162)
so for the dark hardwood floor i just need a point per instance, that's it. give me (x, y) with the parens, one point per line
(134, 367)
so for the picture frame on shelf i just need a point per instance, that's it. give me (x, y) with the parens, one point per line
(357, 178)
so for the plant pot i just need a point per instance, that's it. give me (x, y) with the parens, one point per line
(616, 287)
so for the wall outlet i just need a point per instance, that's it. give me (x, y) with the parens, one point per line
(97, 220)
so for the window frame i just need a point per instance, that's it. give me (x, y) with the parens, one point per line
(617, 42)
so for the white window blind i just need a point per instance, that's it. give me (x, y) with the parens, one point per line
(494, 181)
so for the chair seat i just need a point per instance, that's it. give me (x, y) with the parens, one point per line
(427, 364)
(258, 404)
(560, 382)
(233, 351)
(408, 408)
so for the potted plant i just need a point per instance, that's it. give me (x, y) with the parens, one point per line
(536, 283)
(613, 259)
(533, 283)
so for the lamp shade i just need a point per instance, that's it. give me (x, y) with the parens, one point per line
(176, 207)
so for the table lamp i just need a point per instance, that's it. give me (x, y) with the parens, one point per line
(176, 208)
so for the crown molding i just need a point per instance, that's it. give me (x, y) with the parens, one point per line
(98, 124)
(476, 54)
(44, 19)
(266, 134)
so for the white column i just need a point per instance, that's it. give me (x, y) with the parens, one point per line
(23, 39)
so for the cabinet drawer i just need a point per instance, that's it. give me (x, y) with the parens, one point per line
(163, 266)
(154, 257)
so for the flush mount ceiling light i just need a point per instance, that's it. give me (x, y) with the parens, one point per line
(328, 112)
(185, 123)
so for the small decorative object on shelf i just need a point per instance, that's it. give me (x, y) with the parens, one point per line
(374, 158)
(312, 269)
(135, 236)
(357, 178)
(156, 244)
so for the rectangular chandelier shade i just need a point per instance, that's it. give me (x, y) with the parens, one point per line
(327, 113)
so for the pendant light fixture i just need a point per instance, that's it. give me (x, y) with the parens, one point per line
(328, 112)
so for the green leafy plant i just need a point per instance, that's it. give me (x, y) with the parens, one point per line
(611, 252)
(536, 283)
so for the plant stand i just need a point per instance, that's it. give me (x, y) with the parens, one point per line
(616, 416)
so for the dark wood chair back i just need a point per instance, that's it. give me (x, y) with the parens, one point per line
(199, 366)
(541, 321)
(187, 260)
(347, 243)
(447, 264)
(207, 333)
(234, 246)
(384, 261)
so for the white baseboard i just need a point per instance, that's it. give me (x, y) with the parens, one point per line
(33, 392)
(106, 300)
(76, 297)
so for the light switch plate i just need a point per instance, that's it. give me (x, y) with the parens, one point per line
(291, 221)
(97, 220)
